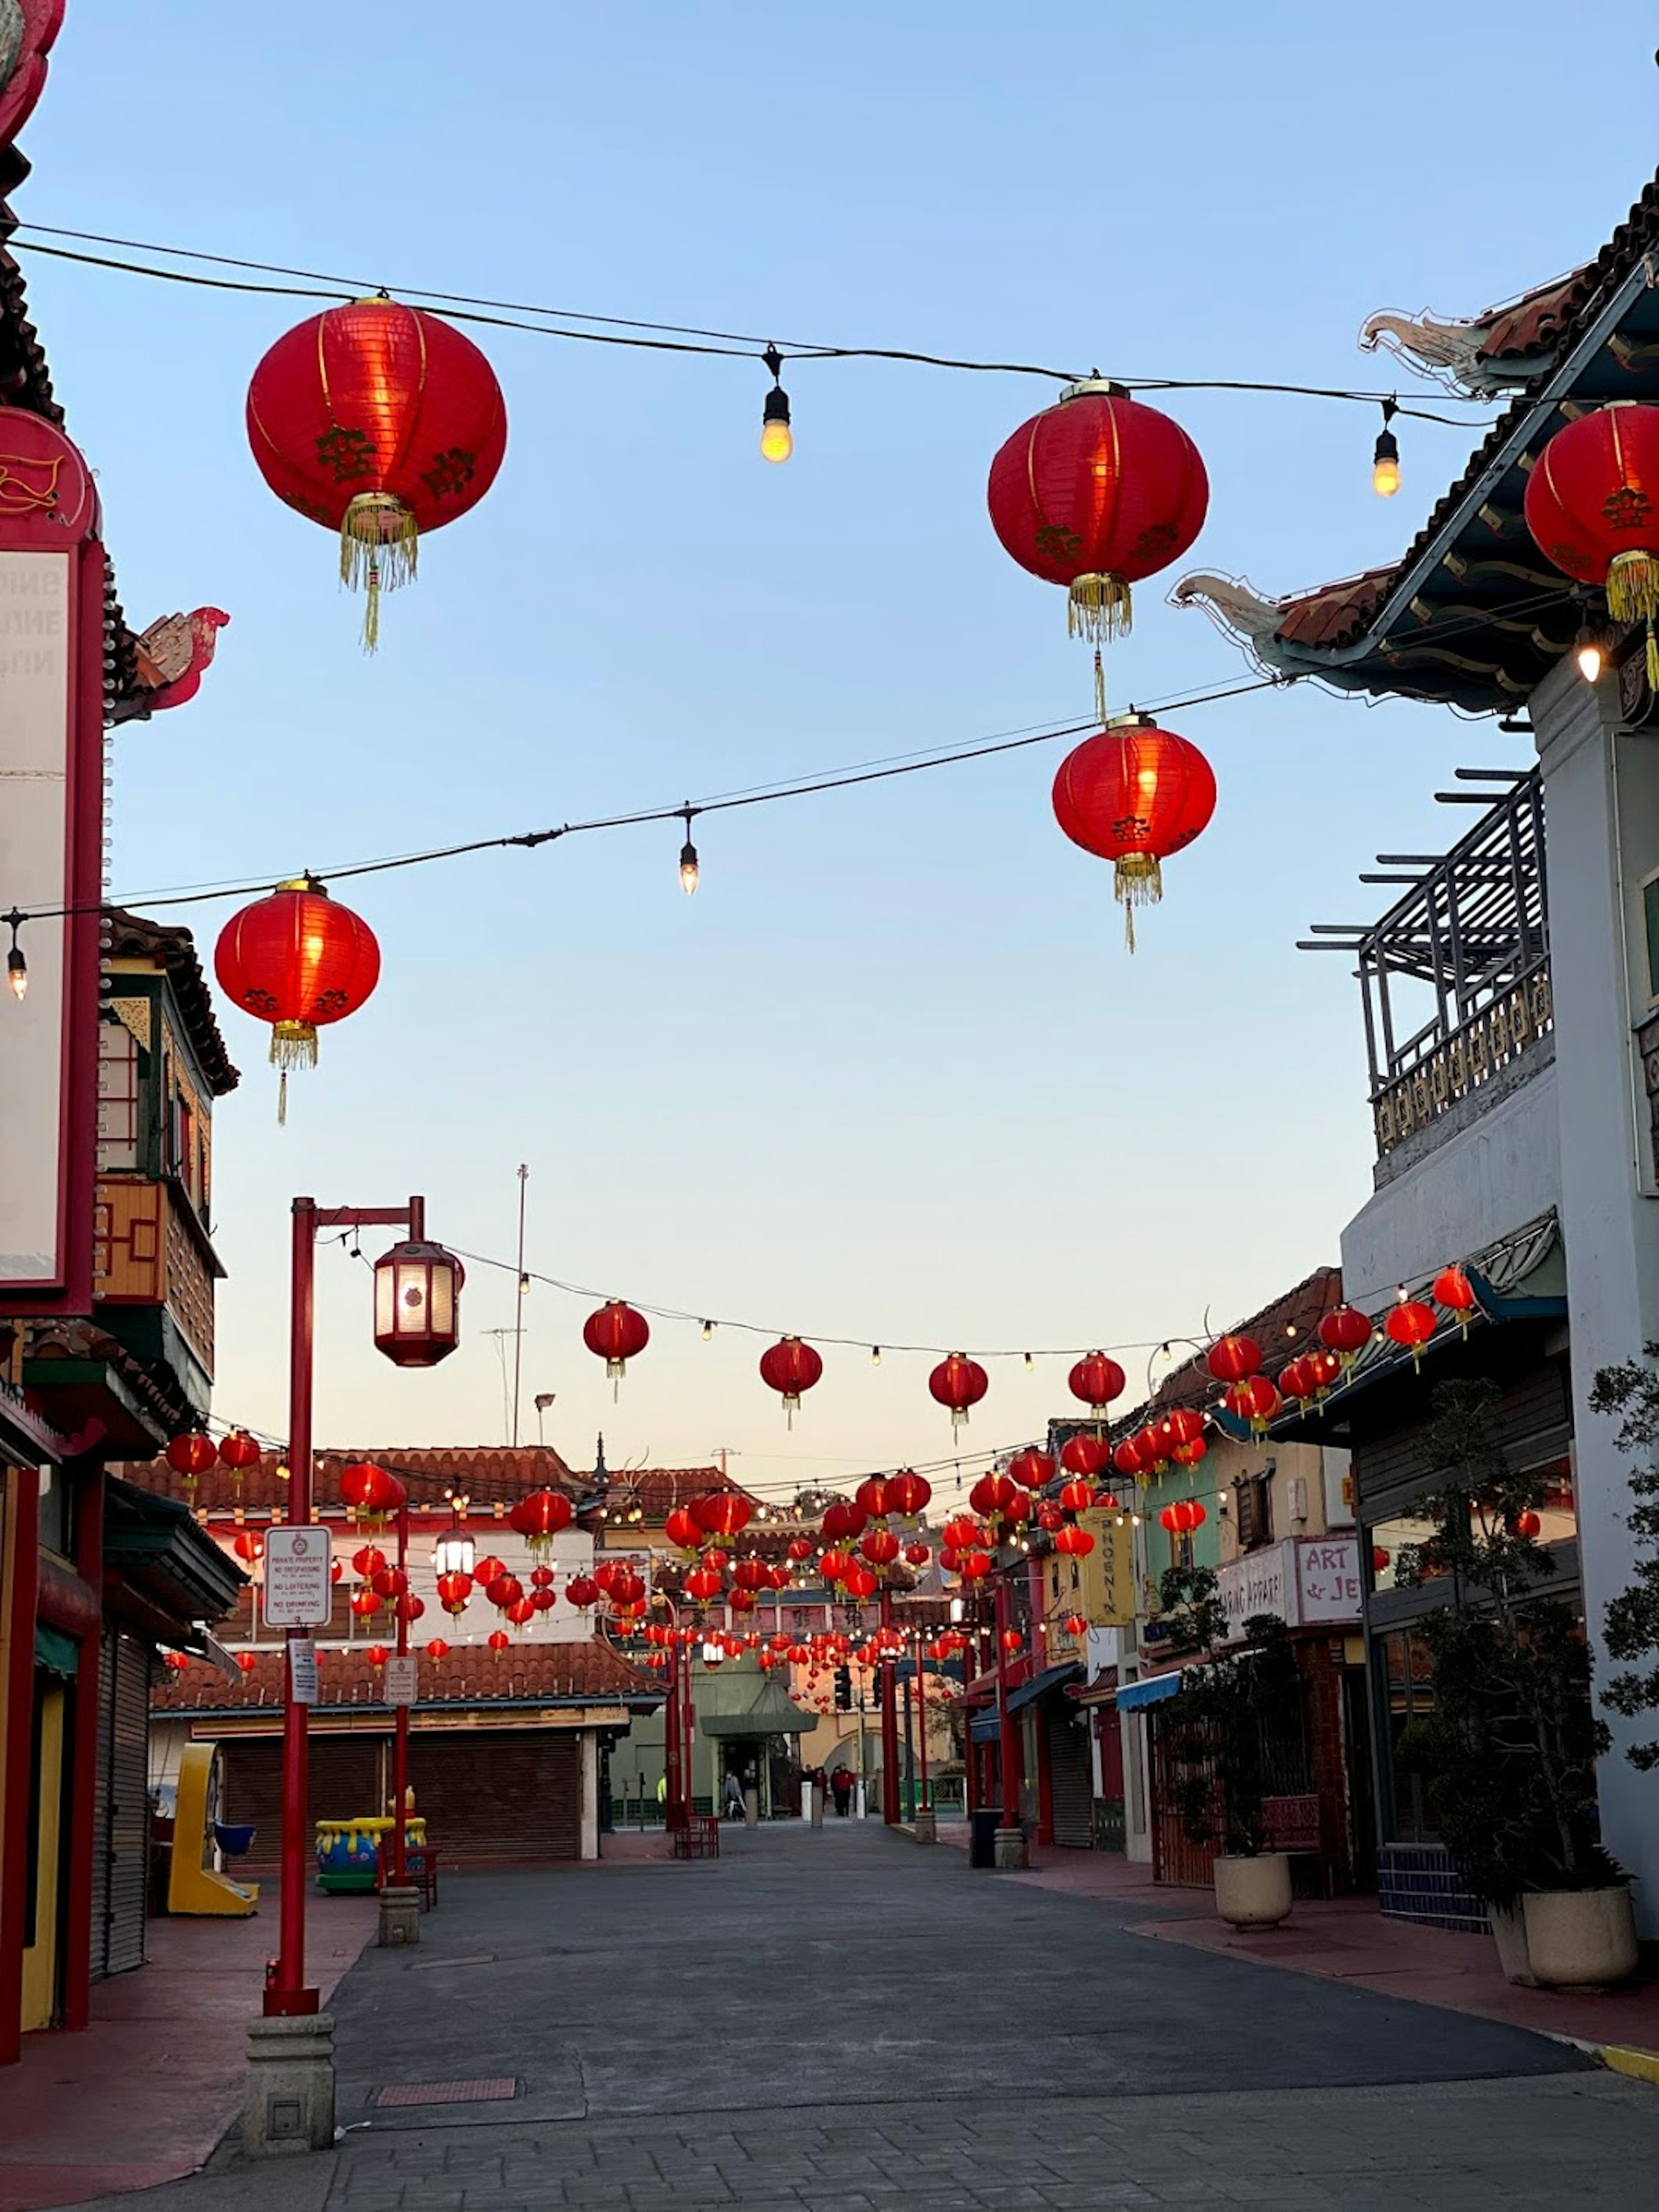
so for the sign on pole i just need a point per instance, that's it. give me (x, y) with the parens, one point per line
(299, 1576)
(400, 1676)
(302, 1670)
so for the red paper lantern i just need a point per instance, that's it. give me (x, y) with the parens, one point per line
(541, 1577)
(1592, 504)
(1084, 1455)
(484, 1571)
(616, 1334)
(247, 1661)
(1049, 1516)
(191, 1454)
(298, 960)
(962, 1531)
(800, 1548)
(1234, 1359)
(1411, 1323)
(1031, 1468)
(1296, 1380)
(1076, 1625)
(1012, 1639)
(1530, 1525)
(1076, 1497)
(364, 1604)
(175, 1661)
(975, 1565)
(372, 1493)
(790, 1368)
(1074, 1543)
(409, 1607)
(1381, 1558)
(681, 1529)
(1181, 1425)
(239, 1451)
(1255, 1400)
(842, 1520)
(1096, 493)
(521, 1612)
(880, 1547)
(859, 1583)
(1133, 795)
(752, 1575)
(379, 421)
(249, 1545)
(917, 1555)
(1096, 1380)
(722, 1513)
(437, 1649)
(1454, 1290)
(376, 1654)
(628, 1590)
(498, 1640)
(835, 1566)
(504, 1590)
(389, 1581)
(539, 1518)
(909, 1493)
(1324, 1368)
(958, 1383)
(704, 1583)
(993, 1494)
(871, 1496)
(1346, 1331)
(454, 1591)
(581, 1591)
(367, 1561)
(1127, 1458)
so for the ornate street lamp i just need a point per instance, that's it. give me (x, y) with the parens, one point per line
(417, 1298)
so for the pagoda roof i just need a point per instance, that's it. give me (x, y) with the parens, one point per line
(135, 936)
(483, 1473)
(1472, 614)
(469, 1674)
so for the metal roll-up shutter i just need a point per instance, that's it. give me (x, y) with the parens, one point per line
(500, 1795)
(345, 1783)
(100, 1843)
(126, 1834)
(1070, 1779)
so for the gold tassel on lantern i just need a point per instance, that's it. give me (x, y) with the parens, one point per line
(293, 1044)
(379, 550)
(1633, 596)
(1137, 880)
(1099, 608)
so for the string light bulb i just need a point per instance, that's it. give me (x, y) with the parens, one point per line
(707, 1330)
(690, 873)
(875, 1355)
(17, 968)
(523, 1286)
(1589, 650)
(777, 441)
(1385, 460)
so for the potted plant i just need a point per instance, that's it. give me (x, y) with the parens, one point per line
(1218, 1731)
(1512, 1743)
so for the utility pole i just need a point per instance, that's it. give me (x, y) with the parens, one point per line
(523, 1290)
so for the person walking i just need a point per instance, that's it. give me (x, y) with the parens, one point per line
(840, 1787)
(732, 1798)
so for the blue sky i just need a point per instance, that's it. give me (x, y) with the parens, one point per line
(891, 1074)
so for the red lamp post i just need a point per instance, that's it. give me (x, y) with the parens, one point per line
(1007, 1730)
(890, 1730)
(285, 1989)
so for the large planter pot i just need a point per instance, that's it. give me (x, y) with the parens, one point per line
(1254, 1892)
(1508, 1933)
(1581, 1939)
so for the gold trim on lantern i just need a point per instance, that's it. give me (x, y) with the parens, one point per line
(379, 550)
(1099, 607)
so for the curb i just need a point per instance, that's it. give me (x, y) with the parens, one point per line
(1626, 2058)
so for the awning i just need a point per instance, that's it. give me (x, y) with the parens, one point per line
(1152, 1692)
(983, 1728)
(776, 1716)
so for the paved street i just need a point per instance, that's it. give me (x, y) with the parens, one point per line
(842, 2022)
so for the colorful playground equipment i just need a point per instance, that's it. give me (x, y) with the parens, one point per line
(348, 1851)
(195, 1883)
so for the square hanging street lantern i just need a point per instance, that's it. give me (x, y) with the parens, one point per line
(453, 1553)
(418, 1288)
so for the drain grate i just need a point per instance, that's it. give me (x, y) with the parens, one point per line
(491, 2089)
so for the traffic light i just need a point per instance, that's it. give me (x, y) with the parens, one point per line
(843, 1689)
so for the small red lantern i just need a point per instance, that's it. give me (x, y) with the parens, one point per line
(1346, 1331)
(871, 1497)
(1096, 493)
(1096, 1380)
(389, 1581)
(539, 1518)
(521, 1612)
(1296, 1380)
(842, 1520)
(1134, 794)
(1255, 1400)
(1529, 1525)
(1012, 1639)
(437, 1649)
(880, 1547)
(365, 1603)
(367, 1561)
(1049, 1516)
(616, 1334)
(372, 1493)
(1084, 1455)
(247, 1661)
(1592, 504)
(962, 1531)
(993, 1494)
(484, 1571)
(1031, 1468)
(504, 1590)
(1381, 1558)
(1324, 1368)
(1181, 1425)
(800, 1548)
(1127, 1458)
(1411, 1323)
(541, 1578)
(835, 1566)
(454, 1591)
(909, 1493)
(191, 1454)
(1453, 1289)
(582, 1591)
(175, 1661)
(975, 1565)
(752, 1575)
(722, 1513)
(1234, 1359)
(1073, 1543)
(298, 960)
(681, 1529)
(239, 1451)
(917, 1555)
(249, 1545)
(417, 1303)
(498, 1640)
(859, 1583)
(381, 422)
(1076, 1625)
(790, 1368)
(1076, 1497)
(958, 1383)
(704, 1584)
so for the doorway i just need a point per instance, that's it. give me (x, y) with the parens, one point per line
(43, 1902)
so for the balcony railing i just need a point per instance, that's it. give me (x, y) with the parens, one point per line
(1450, 1068)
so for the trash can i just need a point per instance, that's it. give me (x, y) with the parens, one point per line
(981, 1843)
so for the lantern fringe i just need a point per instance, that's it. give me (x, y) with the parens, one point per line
(293, 1044)
(379, 550)
(1100, 688)
(1137, 880)
(1098, 607)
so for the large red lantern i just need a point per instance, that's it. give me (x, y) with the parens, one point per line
(298, 960)
(721, 1513)
(417, 1302)
(1074, 1542)
(880, 1547)
(752, 1575)
(790, 1367)
(958, 1383)
(1346, 1331)
(379, 421)
(364, 1604)
(1084, 1455)
(373, 1494)
(993, 1494)
(503, 1591)
(1096, 1380)
(871, 1496)
(681, 1529)
(1127, 1458)
(859, 1581)
(1256, 1400)
(454, 1591)
(539, 1518)
(582, 1591)
(1076, 1497)
(616, 1333)
(909, 1493)
(1592, 504)
(1454, 1290)
(1134, 794)
(1234, 1359)
(191, 1454)
(843, 1520)
(239, 1451)
(800, 1548)
(1411, 1323)
(1031, 1468)
(1095, 493)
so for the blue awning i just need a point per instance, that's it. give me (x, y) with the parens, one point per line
(1152, 1691)
(983, 1728)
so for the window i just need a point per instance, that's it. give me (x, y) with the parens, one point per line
(56, 1513)
(1407, 1682)
(1255, 1511)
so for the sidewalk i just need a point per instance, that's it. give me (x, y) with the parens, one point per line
(1346, 1939)
(145, 2093)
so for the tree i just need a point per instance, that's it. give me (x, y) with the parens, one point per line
(1629, 1394)
(1219, 1730)
(1512, 1741)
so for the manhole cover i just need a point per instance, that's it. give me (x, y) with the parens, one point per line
(491, 2089)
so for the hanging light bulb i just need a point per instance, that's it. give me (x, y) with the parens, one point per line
(17, 968)
(1385, 460)
(777, 441)
(1589, 650)
(1029, 1362)
(875, 1355)
(707, 1330)
(523, 1286)
(688, 870)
